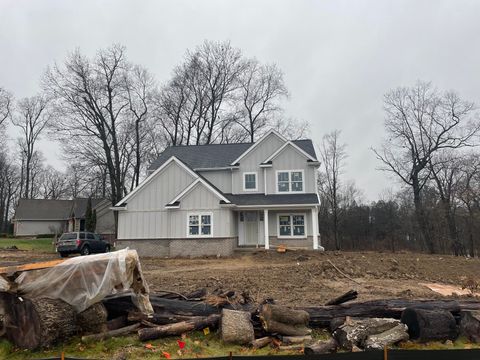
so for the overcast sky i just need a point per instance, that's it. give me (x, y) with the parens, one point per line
(339, 57)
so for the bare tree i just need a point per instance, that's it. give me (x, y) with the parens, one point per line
(5, 105)
(420, 122)
(31, 116)
(92, 107)
(262, 88)
(332, 155)
(53, 183)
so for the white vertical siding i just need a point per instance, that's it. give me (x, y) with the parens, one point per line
(291, 159)
(252, 161)
(222, 179)
(162, 189)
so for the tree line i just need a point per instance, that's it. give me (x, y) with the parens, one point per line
(112, 118)
(431, 149)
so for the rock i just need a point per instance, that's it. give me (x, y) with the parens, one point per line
(386, 338)
(236, 327)
(355, 331)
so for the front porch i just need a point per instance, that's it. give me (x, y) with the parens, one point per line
(270, 227)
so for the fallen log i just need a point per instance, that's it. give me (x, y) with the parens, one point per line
(348, 296)
(92, 320)
(37, 323)
(117, 322)
(470, 325)
(290, 340)
(112, 333)
(178, 328)
(321, 316)
(161, 318)
(275, 327)
(321, 347)
(283, 314)
(262, 342)
(386, 338)
(427, 325)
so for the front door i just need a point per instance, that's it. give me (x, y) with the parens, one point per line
(251, 227)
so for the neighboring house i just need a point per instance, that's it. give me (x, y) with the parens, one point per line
(211, 199)
(46, 216)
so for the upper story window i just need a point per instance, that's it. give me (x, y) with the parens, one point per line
(290, 181)
(250, 181)
(200, 224)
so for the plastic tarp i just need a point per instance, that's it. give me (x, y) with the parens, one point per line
(85, 280)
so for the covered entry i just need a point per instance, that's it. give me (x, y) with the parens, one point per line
(251, 229)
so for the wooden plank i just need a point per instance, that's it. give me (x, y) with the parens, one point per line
(31, 266)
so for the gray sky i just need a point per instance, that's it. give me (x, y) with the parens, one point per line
(339, 57)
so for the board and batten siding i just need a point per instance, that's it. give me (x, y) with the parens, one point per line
(222, 179)
(161, 189)
(251, 163)
(291, 159)
(172, 223)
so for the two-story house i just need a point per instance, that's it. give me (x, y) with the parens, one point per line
(212, 199)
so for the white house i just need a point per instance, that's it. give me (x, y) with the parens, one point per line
(211, 199)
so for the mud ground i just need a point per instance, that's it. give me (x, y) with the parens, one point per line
(300, 277)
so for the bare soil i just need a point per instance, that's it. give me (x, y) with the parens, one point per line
(301, 278)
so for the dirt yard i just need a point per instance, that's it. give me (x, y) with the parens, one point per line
(301, 278)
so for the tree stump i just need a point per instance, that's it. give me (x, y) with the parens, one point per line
(470, 325)
(236, 327)
(37, 323)
(92, 320)
(428, 325)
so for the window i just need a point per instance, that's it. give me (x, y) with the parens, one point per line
(90, 236)
(291, 225)
(250, 181)
(82, 236)
(290, 181)
(199, 225)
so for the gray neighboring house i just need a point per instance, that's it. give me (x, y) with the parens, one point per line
(46, 216)
(211, 199)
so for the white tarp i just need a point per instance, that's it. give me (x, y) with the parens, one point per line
(85, 280)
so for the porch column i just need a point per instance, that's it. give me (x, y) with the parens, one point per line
(315, 228)
(265, 224)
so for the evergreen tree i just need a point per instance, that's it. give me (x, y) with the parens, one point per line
(89, 219)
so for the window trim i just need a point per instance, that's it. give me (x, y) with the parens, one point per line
(291, 236)
(289, 181)
(256, 180)
(199, 214)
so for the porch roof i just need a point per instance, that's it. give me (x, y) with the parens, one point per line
(273, 199)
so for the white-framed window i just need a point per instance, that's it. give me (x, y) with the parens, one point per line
(291, 226)
(199, 225)
(290, 181)
(250, 181)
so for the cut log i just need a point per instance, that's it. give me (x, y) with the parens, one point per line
(165, 330)
(355, 331)
(161, 318)
(236, 327)
(112, 333)
(178, 328)
(290, 340)
(275, 327)
(37, 323)
(117, 323)
(427, 325)
(320, 316)
(262, 342)
(348, 296)
(386, 338)
(321, 347)
(93, 320)
(336, 323)
(284, 314)
(470, 325)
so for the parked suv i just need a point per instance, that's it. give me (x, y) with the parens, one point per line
(83, 243)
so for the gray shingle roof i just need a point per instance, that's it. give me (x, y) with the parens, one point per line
(214, 155)
(273, 199)
(41, 209)
(80, 206)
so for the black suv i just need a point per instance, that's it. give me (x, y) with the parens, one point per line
(84, 243)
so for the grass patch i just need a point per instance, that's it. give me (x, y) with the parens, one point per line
(196, 345)
(41, 245)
